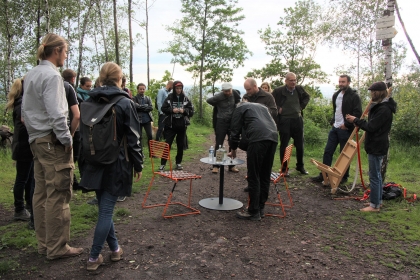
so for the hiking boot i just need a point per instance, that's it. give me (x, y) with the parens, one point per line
(22, 215)
(318, 179)
(162, 167)
(72, 252)
(248, 216)
(116, 256)
(92, 266)
(93, 201)
(215, 170)
(179, 166)
(234, 170)
(121, 198)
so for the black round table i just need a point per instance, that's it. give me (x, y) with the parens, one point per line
(221, 203)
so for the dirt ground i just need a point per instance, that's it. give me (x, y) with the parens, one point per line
(316, 240)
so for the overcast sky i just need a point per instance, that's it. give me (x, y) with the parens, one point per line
(258, 15)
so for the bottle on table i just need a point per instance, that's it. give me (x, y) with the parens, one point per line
(219, 154)
(211, 154)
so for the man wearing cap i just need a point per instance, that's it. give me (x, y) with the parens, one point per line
(345, 101)
(224, 103)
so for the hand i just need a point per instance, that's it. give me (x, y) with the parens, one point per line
(175, 110)
(343, 127)
(68, 149)
(350, 118)
(280, 109)
(181, 110)
(137, 175)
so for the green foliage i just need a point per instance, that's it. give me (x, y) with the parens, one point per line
(7, 265)
(320, 111)
(313, 134)
(194, 95)
(293, 45)
(207, 40)
(406, 123)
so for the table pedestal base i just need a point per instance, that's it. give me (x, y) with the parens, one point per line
(213, 203)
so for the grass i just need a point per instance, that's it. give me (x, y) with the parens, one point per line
(397, 227)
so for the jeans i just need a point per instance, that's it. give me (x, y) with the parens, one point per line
(161, 125)
(335, 136)
(23, 184)
(104, 230)
(375, 179)
(259, 159)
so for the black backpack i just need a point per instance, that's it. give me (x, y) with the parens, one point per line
(98, 130)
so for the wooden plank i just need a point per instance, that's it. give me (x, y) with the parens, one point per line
(384, 22)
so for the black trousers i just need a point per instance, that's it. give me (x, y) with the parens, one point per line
(259, 159)
(222, 129)
(170, 134)
(160, 126)
(148, 129)
(291, 128)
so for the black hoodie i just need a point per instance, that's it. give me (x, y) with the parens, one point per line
(378, 126)
(177, 120)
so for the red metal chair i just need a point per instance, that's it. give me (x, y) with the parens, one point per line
(160, 150)
(277, 178)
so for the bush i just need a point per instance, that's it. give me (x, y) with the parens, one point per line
(319, 111)
(312, 133)
(406, 123)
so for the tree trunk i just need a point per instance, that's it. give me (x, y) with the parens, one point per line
(147, 44)
(82, 36)
(131, 40)
(47, 18)
(387, 44)
(203, 41)
(406, 34)
(9, 49)
(38, 33)
(117, 55)
(102, 30)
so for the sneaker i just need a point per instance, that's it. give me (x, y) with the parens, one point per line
(116, 256)
(22, 215)
(162, 167)
(215, 170)
(92, 266)
(248, 216)
(121, 198)
(234, 170)
(179, 166)
(93, 201)
(318, 179)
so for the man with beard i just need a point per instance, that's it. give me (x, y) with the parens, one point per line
(345, 101)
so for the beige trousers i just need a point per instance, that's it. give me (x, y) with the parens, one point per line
(53, 170)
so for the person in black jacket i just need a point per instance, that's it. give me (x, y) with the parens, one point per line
(21, 153)
(178, 110)
(377, 129)
(144, 109)
(345, 101)
(291, 99)
(114, 179)
(224, 104)
(255, 121)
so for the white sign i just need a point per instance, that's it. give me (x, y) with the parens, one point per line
(386, 33)
(384, 22)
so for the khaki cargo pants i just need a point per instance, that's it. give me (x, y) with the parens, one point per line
(53, 170)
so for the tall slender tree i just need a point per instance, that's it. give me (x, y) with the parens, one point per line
(208, 29)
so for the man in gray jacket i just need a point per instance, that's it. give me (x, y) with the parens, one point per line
(45, 112)
(225, 103)
(255, 121)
